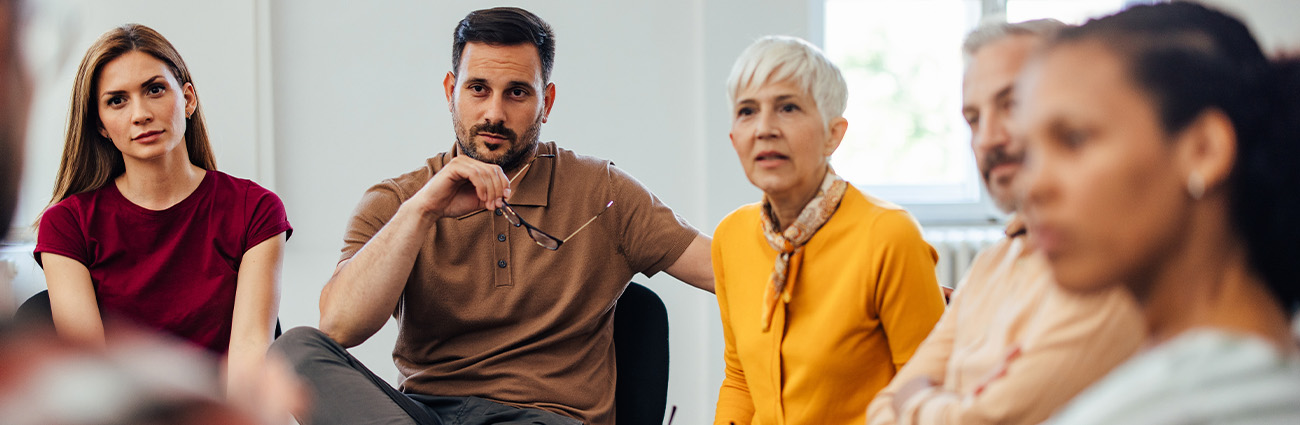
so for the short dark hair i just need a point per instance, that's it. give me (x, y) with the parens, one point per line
(505, 26)
(1189, 58)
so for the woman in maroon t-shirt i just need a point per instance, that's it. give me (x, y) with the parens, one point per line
(142, 228)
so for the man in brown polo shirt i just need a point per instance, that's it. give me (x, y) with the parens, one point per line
(501, 259)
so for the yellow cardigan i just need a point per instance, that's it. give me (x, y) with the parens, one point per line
(865, 298)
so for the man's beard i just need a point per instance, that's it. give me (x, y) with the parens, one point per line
(996, 157)
(520, 147)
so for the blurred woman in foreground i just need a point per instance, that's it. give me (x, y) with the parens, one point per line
(1163, 157)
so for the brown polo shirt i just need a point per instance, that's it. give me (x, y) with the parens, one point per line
(488, 313)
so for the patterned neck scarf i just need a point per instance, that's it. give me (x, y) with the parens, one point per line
(789, 243)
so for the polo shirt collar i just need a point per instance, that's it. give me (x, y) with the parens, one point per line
(532, 189)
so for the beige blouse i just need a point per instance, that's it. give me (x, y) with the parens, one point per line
(1008, 303)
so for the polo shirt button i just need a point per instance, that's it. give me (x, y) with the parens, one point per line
(498, 212)
(501, 264)
(501, 237)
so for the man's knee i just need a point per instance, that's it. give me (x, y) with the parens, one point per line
(302, 343)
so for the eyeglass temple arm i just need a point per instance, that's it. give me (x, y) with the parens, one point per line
(584, 225)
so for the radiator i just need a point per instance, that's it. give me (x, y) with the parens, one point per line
(957, 247)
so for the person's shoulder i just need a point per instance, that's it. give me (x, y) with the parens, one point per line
(78, 203)
(865, 204)
(406, 184)
(573, 161)
(1237, 379)
(226, 187)
(573, 169)
(747, 217)
(71, 207)
(878, 216)
(561, 152)
(224, 181)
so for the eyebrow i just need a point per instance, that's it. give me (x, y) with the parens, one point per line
(1005, 92)
(969, 108)
(512, 83)
(779, 98)
(146, 83)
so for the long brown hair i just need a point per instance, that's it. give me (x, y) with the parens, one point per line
(90, 161)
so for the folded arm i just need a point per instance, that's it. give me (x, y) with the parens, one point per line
(365, 289)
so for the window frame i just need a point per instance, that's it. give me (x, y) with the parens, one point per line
(981, 210)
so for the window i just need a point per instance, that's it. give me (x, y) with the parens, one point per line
(902, 60)
(1073, 12)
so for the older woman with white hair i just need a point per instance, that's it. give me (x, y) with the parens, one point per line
(825, 291)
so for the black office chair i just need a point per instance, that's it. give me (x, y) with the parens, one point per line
(35, 313)
(641, 350)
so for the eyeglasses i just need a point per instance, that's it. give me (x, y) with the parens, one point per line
(542, 238)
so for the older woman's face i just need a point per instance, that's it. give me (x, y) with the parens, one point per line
(781, 140)
(1102, 194)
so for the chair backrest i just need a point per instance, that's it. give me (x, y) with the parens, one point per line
(641, 350)
(34, 313)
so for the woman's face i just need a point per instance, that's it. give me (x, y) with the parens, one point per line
(142, 107)
(1103, 196)
(781, 140)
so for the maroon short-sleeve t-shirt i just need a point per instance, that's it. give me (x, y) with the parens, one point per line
(173, 270)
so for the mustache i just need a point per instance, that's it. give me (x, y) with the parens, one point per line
(999, 156)
(498, 127)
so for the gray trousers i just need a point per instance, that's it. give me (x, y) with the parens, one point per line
(346, 393)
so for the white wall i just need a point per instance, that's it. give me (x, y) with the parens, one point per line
(219, 42)
(1272, 21)
(319, 99)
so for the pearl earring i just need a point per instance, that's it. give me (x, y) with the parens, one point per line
(1195, 185)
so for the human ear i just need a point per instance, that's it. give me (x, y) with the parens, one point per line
(1207, 150)
(449, 84)
(837, 127)
(549, 99)
(191, 99)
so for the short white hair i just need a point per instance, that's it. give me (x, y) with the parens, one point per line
(777, 58)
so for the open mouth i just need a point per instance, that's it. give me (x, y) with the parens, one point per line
(771, 156)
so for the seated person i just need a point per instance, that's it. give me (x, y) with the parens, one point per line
(825, 292)
(1164, 147)
(1012, 347)
(501, 259)
(142, 226)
